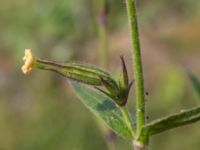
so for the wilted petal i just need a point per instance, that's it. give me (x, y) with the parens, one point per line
(29, 60)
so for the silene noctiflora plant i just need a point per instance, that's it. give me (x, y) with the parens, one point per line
(108, 97)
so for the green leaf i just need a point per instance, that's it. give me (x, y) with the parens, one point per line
(195, 84)
(172, 121)
(103, 107)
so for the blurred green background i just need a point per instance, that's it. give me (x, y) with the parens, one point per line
(41, 112)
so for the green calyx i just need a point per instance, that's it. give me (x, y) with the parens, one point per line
(76, 71)
(91, 75)
(118, 92)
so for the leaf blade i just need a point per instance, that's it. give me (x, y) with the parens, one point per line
(103, 107)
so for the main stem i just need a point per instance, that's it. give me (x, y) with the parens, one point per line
(137, 63)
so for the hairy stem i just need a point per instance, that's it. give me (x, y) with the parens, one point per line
(127, 120)
(137, 63)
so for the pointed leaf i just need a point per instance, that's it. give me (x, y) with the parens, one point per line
(172, 121)
(103, 107)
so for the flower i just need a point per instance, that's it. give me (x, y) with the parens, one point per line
(29, 60)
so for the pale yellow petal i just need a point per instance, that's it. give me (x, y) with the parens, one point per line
(29, 60)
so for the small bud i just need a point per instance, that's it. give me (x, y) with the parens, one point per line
(118, 92)
(124, 84)
(29, 60)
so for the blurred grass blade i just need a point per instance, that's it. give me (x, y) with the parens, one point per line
(103, 107)
(195, 84)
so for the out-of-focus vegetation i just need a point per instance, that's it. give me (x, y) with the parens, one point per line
(40, 111)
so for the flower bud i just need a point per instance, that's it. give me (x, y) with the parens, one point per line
(118, 92)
